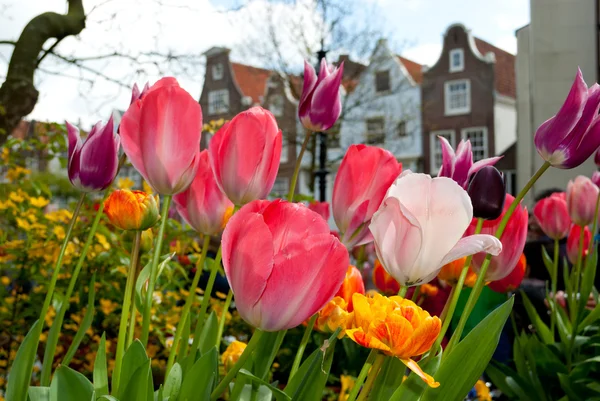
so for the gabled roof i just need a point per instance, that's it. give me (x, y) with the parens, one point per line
(414, 69)
(504, 79)
(252, 81)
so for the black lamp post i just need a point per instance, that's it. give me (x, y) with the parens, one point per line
(322, 172)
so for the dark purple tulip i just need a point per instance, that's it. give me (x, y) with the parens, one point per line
(93, 163)
(487, 191)
(320, 103)
(573, 134)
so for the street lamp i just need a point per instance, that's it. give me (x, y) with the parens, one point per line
(322, 172)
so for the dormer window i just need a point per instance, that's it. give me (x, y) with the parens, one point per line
(217, 72)
(457, 60)
(382, 81)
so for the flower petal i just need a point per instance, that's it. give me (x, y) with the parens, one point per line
(471, 245)
(412, 365)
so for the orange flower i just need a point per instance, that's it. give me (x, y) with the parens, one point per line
(353, 282)
(382, 280)
(513, 280)
(232, 354)
(397, 327)
(428, 290)
(132, 210)
(451, 272)
(335, 314)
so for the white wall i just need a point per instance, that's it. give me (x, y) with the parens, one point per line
(505, 123)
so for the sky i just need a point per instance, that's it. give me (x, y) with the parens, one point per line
(187, 28)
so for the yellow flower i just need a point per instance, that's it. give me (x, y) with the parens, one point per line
(15, 197)
(7, 204)
(107, 306)
(102, 241)
(16, 173)
(59, 232)
(147, 188)
(232, 354)
(333, 315)
(23, 223)
(39, 201)
(5, 280)
(395, 326)
(347, 383)
(482, 390)
(125, 183)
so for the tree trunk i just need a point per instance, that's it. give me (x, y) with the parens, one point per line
(18, 94)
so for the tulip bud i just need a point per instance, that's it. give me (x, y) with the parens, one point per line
(232, 354)
(147, 240)
(573, 241)
(513, 280)
(552, 215)
(320, 104)
(451, 272)
(383, 281)
(487, 191)
(333, 315)
(596, 178)
(353, 282)
(132, 210)
(459, 165)
(93, 163)
(573, 134)
(582, 195)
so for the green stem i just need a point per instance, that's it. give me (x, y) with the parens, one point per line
(132, 321)
(51, 286)
(362, 375)
(298, 165)
(416, 294)
(486, 263)
(554, 284)
(188, 305)
(60, 315)
(302, 347)
(403, 291)
(214, 396)
(125, 312)
(223, 318)
(379, 359)
(154, 270)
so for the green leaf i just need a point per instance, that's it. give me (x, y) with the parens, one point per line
(136, 389)
(265, 353)
(263, 393)
(591, 318)
(587, 281)
(388, 380)
(498, 377)
(460, 369)
(134, 358)
(208, 337)
(100, 371)
(541, 329)
(518, 390)
(173, 383)
(140, 284)
(198, 383)
(548, 262)
(69, 385)
(107, 398)
(547, 362)
(412, 388)
(20, 372)
(184, 342)
(565, 383)
(279, 395)
(86, 323)
(39, 393)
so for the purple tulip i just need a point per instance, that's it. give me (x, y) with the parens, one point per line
(487, 191)
(459, 166)
(136, 94)
(573, 134)
(93, 163)
(320, 103)
(596, 178)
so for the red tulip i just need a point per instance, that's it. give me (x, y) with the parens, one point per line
(362, 181)
(582, 195)
(320, 104)
(161, 136)
(282, 263)
(513, 241)
(573, 242)
(553, 216)
(353, 282)
(245, 154)
(203, 205)
(383, 281)
(320, 207)
(513, 280)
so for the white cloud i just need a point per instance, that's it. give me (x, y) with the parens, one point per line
(508, 43)
(425, 53)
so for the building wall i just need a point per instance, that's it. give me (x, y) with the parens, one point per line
(505, 123)
(562, 35)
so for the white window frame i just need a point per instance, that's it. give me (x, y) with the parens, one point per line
(461, 65)
(433, 142)
(217, 71)
(457, 111)
(463, 135)
(212, 97)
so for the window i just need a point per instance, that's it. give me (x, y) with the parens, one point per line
(457, 96)
(375, 131)
(382, 81)
(281, 186)
(218, 101)
(457, 60)
(217, 72)
(478, 138)
(435, 148)
(276, 105)
(510, 179)
(401, 129)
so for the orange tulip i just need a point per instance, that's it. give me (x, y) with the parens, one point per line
(428, 290)
(451, 272)
(335, 314)
(132, 210)
(513, 280)
(395, 326)
(353, 282)
(382, 280)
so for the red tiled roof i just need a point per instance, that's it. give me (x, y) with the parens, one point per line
(251, 80)
(21, 130)
(414, 69)
(505, 82)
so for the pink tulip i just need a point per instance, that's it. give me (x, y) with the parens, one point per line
(161, 136)
(459, 166)
(320, 104)
(420, 225)
(582, 195)
(513, 242)
(573, 241)
(245, 154)
(596, 178)
(362, 180)
(203, 205)
(573, 134)
(282, 263)
(552, 215)
(320, 207)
